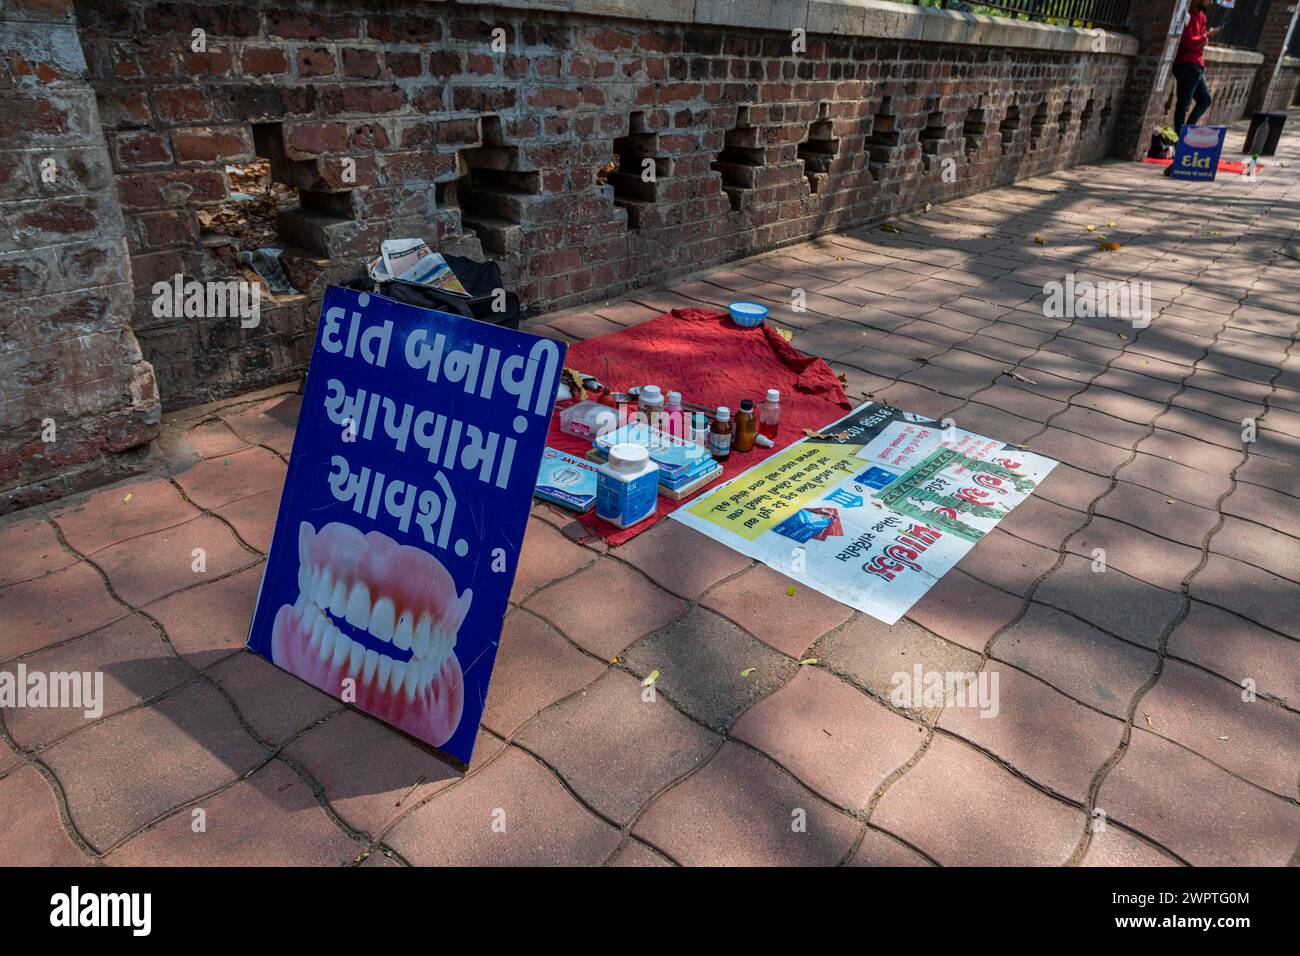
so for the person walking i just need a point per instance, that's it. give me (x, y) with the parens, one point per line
(1189, 66)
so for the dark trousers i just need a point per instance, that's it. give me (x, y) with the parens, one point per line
(1191, 86)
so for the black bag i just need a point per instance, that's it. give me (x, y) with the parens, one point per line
(480, 279)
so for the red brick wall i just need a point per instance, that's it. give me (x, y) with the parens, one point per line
(1285, 93)
(78, 405)
(401, 89)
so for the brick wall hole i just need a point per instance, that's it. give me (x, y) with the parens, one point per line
(973, 128)
(933, 134)
(1085, 118)
(819, 148)
(1037, 125)
(1009, 127)
(1064, 119)
(741, 160)
(637, 170)
(883, 140)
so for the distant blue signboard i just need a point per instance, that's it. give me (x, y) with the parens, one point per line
(1197, 154)
(403, 511)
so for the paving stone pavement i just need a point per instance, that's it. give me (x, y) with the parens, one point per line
(1148, 713)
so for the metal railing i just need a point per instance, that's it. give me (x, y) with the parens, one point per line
(1242, 25)
(1112, 14)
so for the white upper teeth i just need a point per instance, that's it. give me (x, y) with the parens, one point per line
(430, 639)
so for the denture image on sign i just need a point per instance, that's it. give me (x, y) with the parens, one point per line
(382, 615)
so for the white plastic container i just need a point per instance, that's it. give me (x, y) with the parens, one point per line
(627, 486)
(588, 419)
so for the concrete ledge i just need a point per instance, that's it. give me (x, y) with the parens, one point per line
(876, 19)
(1291, 62)
(1227, 54)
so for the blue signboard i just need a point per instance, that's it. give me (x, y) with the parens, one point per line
(1197, 154)
(403, 511)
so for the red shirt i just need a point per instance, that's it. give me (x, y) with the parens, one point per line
(1191, 48)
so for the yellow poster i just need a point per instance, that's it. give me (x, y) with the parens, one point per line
(762, 498)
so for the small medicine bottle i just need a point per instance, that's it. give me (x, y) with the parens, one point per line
(720, 434)
(746, 427)
(770, 414)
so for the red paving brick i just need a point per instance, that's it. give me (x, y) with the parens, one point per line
(590, 607)
(212, 438)
(52, 608)
(681, 559)
(1203, 814)
(124, 772)
(31, 548)
(830, 735)
(219, 481)
(133, 664)
(546, 556)
(210, 621)
(879, 849)
(274, 703)
(615, 747)
(370, 775)
(122, 513)
(1251, 592)
(760, 602)
(1111, 845)
(146, 568)
(741, 809)
(253, 518)
(272, 818)
(1235, 648)
(512, 813)
(1137, 553)
(964, 610)
(31, 833)
(956, 804)
(1037, 730)
(535, 667)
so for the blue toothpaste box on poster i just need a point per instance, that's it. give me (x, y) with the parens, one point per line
(403, 511)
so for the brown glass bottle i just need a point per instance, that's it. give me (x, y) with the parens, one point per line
(720, 434)
(746, 427)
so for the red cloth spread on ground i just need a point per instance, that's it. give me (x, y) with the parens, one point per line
(1225, 165)
(711, 361)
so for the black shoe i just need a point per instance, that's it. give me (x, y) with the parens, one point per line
(1169, 170)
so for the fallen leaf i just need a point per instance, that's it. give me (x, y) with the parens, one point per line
(890, 227)
(128, 498)
(1111, 225)
(1040, 240)
(1110, 247)
(809, 660)
(784, 333)
(613, 660)
(1169, 501)
(789, 592)
(928, 207)
(1092, 228)
(843, 377)
(1018, 377)
(1223, 738)
(1149, 724)
(650, 678)
(747, 671)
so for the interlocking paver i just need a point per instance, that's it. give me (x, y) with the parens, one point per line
(121, 513)
(1240, 651)
(1251, 592)
(253, 518)
(681, 560)
(740, 809)
(615, 746)
(1037, 730)
(1161, 515)
(1136, 552)
(63, 604)
(210, 621)
(546, 556)
(1112, 845)
(273, 702)
(535, 667)
(269, 422)
(121, 773)
(1043, 523)
(1071, 487)
(218, 481)
(1074, 449)
(272, 818)
(133, 663)
(146, 568)
(212, 438)
(1176, 481)
(370, 775)
(1200, 812)
(1259, 545)
(590, 607)
(759, 601)
(879, 849)
(964, 610)
(830, 735)
(512, 813)
(1253, 738)
(709, 667)
(883, 658)
(31, 548)
(1111, 600)
(1007, 562)
(31, 833)
(962, 809)
(1075, 658)
(1272, 509)
(637, 854)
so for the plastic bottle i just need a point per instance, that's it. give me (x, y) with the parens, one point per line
(674, 418)
(720, 434)
(770, 415)
(699, 429)
(627, 486)
(746, 427)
